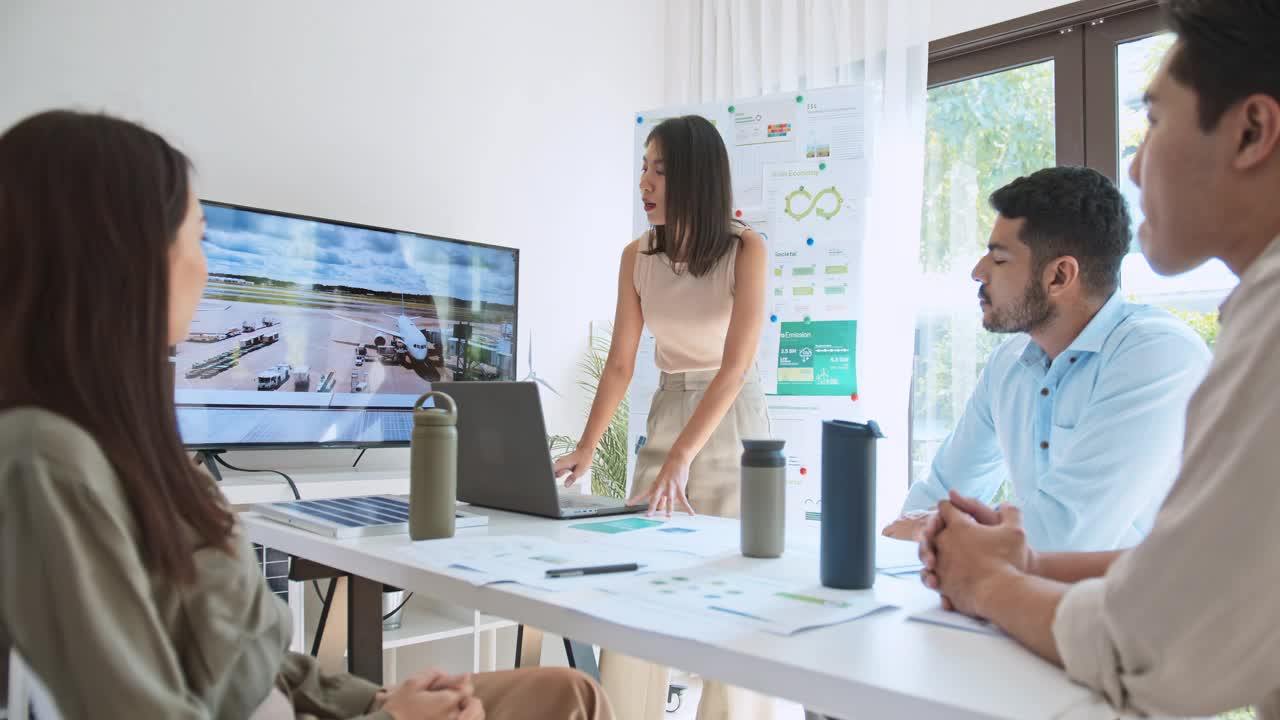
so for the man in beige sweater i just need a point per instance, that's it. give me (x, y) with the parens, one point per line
(1186, 622)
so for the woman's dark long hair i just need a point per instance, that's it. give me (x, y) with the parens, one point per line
(699, 195)
(90, 207)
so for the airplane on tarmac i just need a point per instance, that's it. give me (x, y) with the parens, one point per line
(415, 342)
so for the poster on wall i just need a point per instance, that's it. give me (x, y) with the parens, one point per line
(764, 132)
(817, 358)
(816, 221)
(799, 179)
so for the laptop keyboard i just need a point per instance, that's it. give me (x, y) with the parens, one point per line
(575, 500)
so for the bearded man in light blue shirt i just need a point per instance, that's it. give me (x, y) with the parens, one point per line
(1083, 410)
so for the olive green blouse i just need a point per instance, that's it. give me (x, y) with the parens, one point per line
(110, 639)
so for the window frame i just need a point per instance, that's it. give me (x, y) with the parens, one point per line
(1064, 48)
(1081, 38)
(1102, 37)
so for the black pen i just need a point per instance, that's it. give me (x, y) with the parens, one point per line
(593, 570)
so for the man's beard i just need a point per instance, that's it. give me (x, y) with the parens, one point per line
(1027, 314)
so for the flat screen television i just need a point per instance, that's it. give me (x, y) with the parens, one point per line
(322, 333)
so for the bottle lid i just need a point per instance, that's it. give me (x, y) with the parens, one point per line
(770, 445)
(870, 428)
(435, 416)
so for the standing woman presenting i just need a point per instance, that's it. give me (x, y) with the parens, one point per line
(697, 279)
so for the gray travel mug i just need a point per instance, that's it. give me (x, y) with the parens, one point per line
(763, 499)
(847, 554)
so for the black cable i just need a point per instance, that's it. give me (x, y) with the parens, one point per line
(292, 487)
(324, 617)
(393, 612)
(315, 584)
(229, 466)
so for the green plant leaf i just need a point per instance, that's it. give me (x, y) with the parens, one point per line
(609, 466)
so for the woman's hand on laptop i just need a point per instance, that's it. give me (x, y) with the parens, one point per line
(668, 489)
(575, 464)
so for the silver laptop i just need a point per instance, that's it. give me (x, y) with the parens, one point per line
(352, 517)
(503, 460)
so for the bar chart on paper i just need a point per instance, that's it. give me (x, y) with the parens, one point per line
(769, 605)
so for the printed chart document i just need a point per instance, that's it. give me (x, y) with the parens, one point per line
(754, 601)
(817, 223)
(680, 534)
(835, 126)
(764, 131)
(526, 560)
(817, 358)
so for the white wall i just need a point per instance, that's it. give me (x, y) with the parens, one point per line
(503, 122)
(949, 17)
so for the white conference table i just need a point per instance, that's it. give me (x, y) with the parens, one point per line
(878, 666)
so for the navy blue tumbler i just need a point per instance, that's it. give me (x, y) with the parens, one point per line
(848, 549)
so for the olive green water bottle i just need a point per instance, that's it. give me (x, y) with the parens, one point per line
(433, 468)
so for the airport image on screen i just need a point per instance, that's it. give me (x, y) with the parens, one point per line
(318, 332)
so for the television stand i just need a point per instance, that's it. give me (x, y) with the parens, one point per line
(208, 458)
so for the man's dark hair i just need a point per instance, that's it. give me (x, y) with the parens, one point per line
(1075, 211)
(1226, 51)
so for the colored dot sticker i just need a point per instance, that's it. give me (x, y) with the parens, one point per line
(639, 119)
(809, 241)
(804, 471)
(773, 318)
(737, 213)
(822, 166)
(854, 397)
(799, 98)
(732, 108)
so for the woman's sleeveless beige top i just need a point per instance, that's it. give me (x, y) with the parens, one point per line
(688, 316)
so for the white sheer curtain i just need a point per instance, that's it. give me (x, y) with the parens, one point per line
(720, 49)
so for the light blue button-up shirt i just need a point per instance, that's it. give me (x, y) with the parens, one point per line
(1092, 440)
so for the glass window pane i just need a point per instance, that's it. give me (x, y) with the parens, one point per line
(1195, 296)
(981, 133)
